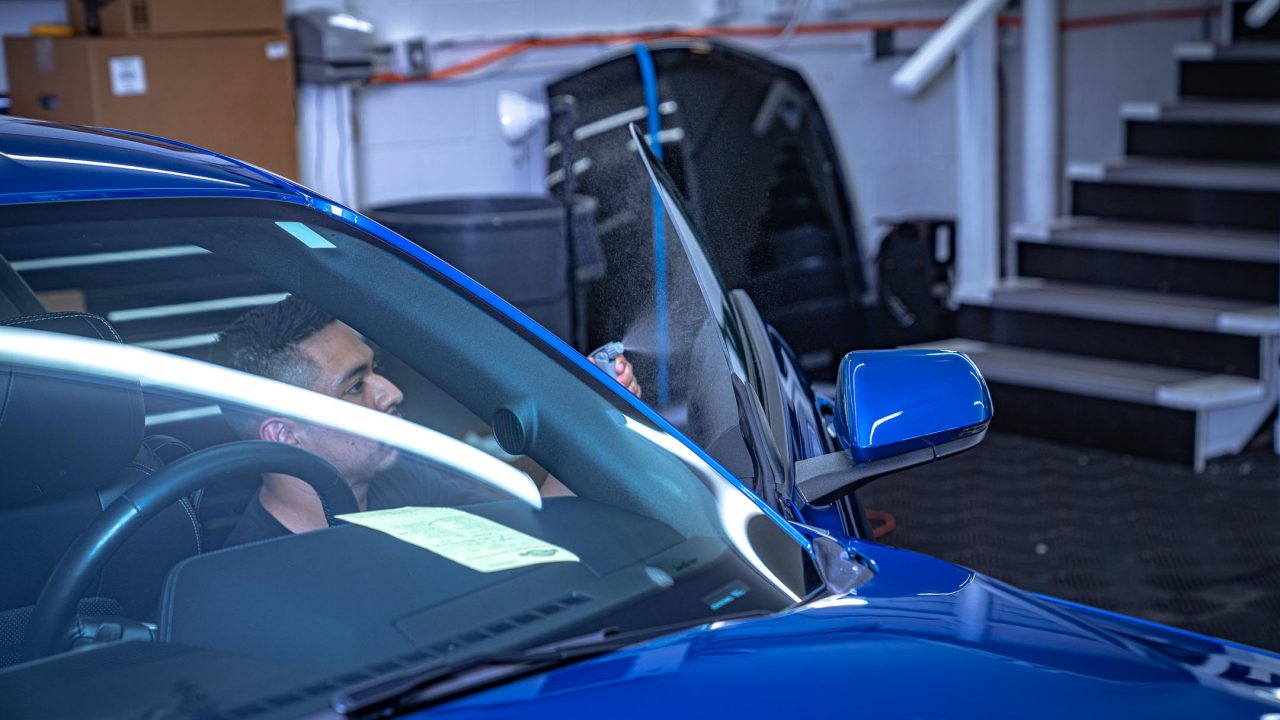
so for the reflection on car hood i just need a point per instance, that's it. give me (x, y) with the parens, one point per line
(924, 640)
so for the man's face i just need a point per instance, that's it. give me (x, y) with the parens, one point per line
(344, 368)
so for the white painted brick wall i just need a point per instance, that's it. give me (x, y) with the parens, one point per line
(442, 139)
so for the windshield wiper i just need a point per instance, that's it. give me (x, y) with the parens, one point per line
(438, 683)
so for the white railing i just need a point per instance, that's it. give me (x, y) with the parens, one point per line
(969, 37)
(1260, 13)
(932, 57)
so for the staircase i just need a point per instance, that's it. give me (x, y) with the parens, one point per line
(1147, 321)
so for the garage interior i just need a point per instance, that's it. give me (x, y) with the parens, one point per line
(1083, 196)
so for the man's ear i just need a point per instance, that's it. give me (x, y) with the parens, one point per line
(279, 430)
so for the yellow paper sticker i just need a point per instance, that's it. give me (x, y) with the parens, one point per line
(476, 542)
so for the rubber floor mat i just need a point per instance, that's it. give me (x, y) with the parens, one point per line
(1143, 538)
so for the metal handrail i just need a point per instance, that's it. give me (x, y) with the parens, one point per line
(1261, 12)
(927, 62)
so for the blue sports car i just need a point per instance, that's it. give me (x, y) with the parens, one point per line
(264, 458)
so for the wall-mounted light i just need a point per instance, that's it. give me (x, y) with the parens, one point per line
(519, 115)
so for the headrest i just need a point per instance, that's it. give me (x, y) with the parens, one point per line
(59, 432)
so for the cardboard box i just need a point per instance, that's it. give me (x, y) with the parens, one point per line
(233, 94)
(160, 17)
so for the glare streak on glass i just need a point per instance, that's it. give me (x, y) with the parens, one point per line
(670, 135)
(65, 261)
(95, 358)
(119, 166)
(612, 122)
(735, 508)
(306, 235)
(557, 176)
(166, 418)
(180, 343)
(191, 308)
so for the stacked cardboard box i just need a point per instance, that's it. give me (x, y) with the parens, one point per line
(214, 74)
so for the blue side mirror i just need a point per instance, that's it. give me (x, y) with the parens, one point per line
(896, 409)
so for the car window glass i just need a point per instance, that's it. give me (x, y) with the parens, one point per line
(659, 535)
(160, 291)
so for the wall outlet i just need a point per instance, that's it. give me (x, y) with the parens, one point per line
(780, 9)
(838, 8)
(723, 10)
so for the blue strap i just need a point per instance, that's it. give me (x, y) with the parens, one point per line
(649, 79)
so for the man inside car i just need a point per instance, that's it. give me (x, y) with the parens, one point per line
(295, 342)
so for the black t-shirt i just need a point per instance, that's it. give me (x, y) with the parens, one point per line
(400, 486)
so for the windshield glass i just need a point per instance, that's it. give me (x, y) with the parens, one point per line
(490, 495)
(674, 317)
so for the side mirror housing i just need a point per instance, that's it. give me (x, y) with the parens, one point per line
(896, 409)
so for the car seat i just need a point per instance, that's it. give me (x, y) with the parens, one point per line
(70, 446)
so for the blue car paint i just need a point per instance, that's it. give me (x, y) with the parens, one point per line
(924, 638)
(896, 413)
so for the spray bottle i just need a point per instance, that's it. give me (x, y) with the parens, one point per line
(604, 356)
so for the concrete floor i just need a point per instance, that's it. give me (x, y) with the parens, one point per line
(1144, 538)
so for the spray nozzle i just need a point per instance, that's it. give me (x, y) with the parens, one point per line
(604, 356)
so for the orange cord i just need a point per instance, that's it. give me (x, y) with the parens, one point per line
(884, 523)
(759, 31)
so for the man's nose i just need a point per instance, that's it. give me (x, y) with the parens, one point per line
(386, 395)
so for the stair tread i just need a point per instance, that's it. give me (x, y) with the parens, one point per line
(1187, 312)
(1204, 111)
(1205, 51)
(1111, 379)
(1156, 239)
(1180, 173)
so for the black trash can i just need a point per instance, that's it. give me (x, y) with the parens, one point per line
(513, 245)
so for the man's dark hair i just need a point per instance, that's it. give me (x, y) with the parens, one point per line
(264, 341)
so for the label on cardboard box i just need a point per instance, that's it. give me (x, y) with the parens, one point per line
(128, 75)
(44, 56)
(277, 50)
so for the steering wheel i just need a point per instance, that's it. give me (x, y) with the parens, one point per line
(55, 609)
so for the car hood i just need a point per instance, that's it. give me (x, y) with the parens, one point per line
(925, 639)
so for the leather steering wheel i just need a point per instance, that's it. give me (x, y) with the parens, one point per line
(55, 609)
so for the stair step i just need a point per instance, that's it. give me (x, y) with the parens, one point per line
(1126, 407)
(1247, 71)
(1111, 379)
(1205, 334)
(1225, 112)
(1155, 239)
(1207, 352)
(1201, 140)
(1180, 173)
(1164, 259)
(1209, 194)
(1181, 312)
(1207, 51)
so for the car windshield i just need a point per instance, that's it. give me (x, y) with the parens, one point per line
(681, 331)
(491, 495)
